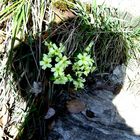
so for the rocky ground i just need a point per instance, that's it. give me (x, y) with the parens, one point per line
(106, 116)
(100, 121)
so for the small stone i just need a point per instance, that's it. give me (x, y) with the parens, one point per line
(75, 106)
(36, 88)
(50, 113)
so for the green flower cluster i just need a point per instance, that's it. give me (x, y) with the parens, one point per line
(83, 65)
(61, 63)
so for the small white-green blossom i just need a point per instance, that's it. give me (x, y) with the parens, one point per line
(83, 65)
(84, 59)
(75, 66)
(79, 73)
(63, 61)
(45, 63)
(51, 52)
(79, 83)
(58, 70)
(56, 51)
(87, 71)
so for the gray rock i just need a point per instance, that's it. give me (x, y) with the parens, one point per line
(105, 124)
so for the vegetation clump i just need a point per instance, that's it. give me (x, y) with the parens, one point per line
(59, 65)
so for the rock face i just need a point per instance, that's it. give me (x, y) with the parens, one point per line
(105, 124)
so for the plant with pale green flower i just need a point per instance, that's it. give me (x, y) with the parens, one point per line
(79, 73)
(58, 70)
(46, 62)
(79, 83)
(59, 75)
(61, 80)
(63, 61)
(69, 78)
(87, 71)
(82, 66)
(55, 51)
(84, 59)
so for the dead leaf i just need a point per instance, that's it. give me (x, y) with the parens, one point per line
(37, 88)
(50, 113)
(75, 106)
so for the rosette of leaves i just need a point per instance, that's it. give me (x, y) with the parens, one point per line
(81, 66)
(61, 63)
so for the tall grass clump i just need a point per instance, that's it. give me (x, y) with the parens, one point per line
(111, 38)
(110, 32)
